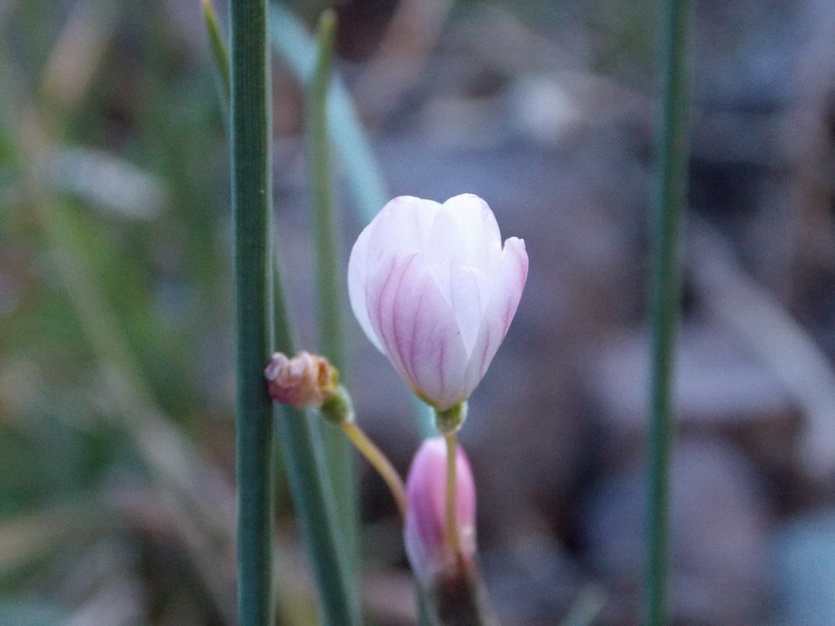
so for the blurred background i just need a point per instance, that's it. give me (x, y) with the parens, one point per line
(116, 341)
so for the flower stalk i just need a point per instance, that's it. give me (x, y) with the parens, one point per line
(666, 295)
(451, 527)
(378, 461)
(329, 287)
(251, 206)
(310, 381)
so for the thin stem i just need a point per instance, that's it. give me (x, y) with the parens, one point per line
(220, 55)
(329, 285)
(312, 491)
(451, 522)
(251, 205)
(312, 497)
(363, 176)
(379, 461)
(427, 614)
(328, 271)
(666, 295)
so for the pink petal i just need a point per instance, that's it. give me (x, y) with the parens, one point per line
(425, 518)
(358, 269)
(418, 331)
(508, 287)
(404, 225)
(469, 293)
(478, 232)
(399, 228)
(434, 290)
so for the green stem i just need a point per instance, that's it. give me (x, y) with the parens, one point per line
(311, 488)
(427, 615)
(220, 55)
(309, 483)
(364, 179)
(666, 295)
(329, 285)
(328, 272)
(312, 492)
(251, 205)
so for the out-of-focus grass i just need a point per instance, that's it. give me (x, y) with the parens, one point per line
(115, 311)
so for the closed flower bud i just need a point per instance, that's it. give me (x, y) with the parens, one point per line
(435, 290)
(425, 533)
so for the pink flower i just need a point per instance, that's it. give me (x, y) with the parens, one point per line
(428, 552)
(435, 291)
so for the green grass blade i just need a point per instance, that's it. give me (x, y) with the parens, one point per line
(330, 288)
(311, 489)
(666, 296)
(304, 458)
(310, 485)
(251, 206)
(220, 55)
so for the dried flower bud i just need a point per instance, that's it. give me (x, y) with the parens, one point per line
(305, 381)
(425, 538)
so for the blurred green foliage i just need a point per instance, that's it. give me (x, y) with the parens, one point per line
(115, 292)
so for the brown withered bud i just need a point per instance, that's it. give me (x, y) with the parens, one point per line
(304, 381)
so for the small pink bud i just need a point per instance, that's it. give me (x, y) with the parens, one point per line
(429, 553)
(435, 290)
(306, 380)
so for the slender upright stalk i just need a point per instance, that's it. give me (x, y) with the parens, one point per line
(379, 462)
(363, 176)
(309, 482)
(329, 286)
(666, 292)
(328, 271)
(220, 55)
(451, 523)
(251, 206)
(311, 489)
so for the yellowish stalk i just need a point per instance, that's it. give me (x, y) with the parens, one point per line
(378, 461)
(451, 530)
